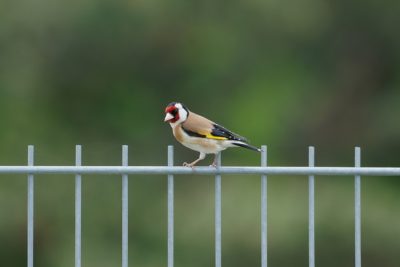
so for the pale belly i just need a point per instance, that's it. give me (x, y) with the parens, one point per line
(203, 145)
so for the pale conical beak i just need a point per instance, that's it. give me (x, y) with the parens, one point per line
(168, 117)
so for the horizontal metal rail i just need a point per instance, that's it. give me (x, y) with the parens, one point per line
(162, 170)
(357, 171)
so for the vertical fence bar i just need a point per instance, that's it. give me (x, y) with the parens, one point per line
(124, 208)
(264, 209)
(78, 207)
(218, 212)
(311, 205)
(31, 184)
(170, 208)
(357, 208)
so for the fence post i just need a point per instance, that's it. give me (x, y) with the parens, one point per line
(78, 207)
(357, 208)
(31, 185)
(125, 215)
(170, 208)
(264, 209)
(218, 212)
(311, 205)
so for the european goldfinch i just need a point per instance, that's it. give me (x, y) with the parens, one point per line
(201, 134)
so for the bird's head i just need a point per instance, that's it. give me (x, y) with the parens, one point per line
(176, 113)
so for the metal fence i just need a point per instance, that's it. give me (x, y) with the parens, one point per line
(124, 170)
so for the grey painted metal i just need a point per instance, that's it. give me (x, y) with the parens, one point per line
(125, 208)
(170, 209)
(218, 215)
(311, 204)
(78, 207)
(163, 170)
(264, 209)
(170, 170)
(31, 184)
(357, 208)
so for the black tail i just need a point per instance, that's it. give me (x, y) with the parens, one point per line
(245, 145)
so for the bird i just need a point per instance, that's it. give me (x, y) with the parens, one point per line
(201, 134)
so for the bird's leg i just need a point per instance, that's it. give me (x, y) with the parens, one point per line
(191, 165)
(214, 164)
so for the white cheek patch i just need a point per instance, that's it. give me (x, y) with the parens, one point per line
(182, 115)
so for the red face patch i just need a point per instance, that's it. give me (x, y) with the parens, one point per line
(169, 109)
(174, 112)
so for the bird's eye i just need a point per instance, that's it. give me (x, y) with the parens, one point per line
(173, 112)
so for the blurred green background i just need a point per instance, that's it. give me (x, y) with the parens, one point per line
(287, 74)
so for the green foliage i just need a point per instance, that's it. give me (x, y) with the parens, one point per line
(285, 74)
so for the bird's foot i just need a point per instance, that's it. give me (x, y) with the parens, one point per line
(191, 165)
(213, 165)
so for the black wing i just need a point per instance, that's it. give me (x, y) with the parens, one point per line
(220, 131)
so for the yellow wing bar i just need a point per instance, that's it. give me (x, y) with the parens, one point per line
(210, 136)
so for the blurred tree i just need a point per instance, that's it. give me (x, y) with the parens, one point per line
(288, 74)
